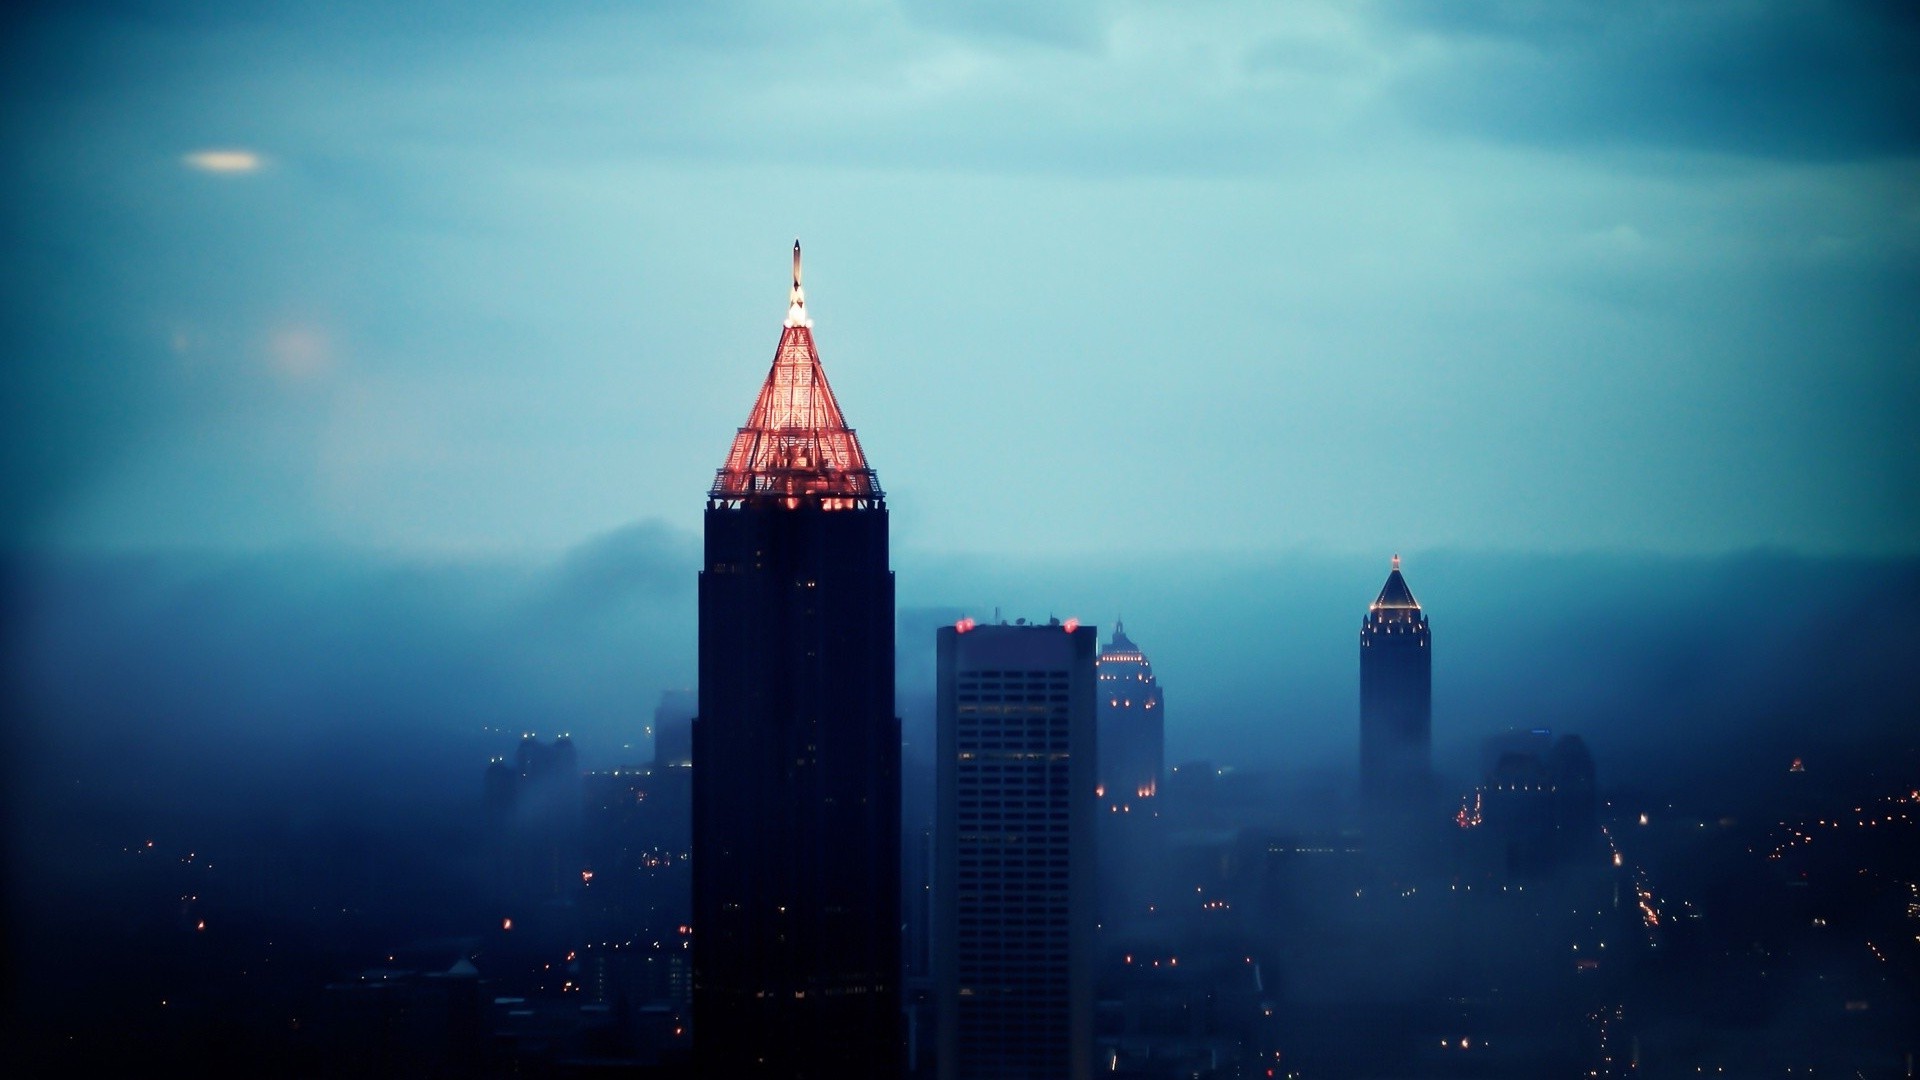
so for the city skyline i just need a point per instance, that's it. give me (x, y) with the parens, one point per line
(366, 364)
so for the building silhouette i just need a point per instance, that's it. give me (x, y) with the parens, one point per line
(1014, 870)
(1537, 799)
(1396, 699)
(1132, 751)
(1132, 728)
(796, 751)
(531, 808)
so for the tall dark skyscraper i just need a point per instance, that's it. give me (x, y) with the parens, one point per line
(796, 751)
(1396, 698)
(1132, 739)
(1014, 862)
(1133, 730)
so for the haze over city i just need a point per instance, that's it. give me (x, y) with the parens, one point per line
(369, 368)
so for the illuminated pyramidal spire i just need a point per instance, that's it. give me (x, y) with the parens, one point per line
(796, 445)
(796, 748)
(1395, 603)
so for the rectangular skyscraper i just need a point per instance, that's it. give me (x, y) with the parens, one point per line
(1014, 872)
(1396, 700)
(796, 751)
(1132, 736)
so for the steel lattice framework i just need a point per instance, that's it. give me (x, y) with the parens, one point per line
(796, 446)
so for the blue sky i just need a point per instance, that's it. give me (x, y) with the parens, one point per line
(1088, 278)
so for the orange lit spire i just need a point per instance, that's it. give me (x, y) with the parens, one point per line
(1394, 595)
(796, 446)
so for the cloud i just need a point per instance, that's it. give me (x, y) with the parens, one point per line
(1812, 79)
(527, 246)
(193, 680)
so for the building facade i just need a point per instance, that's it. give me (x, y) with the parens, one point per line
(1014, 870)
(796, 750)
(1132, 738)
(1396, 698)
(1132, 728)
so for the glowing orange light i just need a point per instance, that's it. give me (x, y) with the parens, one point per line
(506, 924)
(1072, 625)
(796, 443)
(965, 624)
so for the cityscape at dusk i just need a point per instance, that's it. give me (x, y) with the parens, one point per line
(1335, 540)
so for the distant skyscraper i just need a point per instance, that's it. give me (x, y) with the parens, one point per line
(1396, 698)
(1132, 727)
(533, 811)
(796, 751)
(1537, 799)
(1014, 872)
(1132, 738)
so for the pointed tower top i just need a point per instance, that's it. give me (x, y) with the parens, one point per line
(1394, 595)
(797, 299)
(796, 446)
(1121, 648)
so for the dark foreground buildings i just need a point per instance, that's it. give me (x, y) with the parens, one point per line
(796, 750)
(1014, 867)
(1396, 700)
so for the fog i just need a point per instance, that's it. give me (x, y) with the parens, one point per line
(191, 677)
(184, 684)
(337, 708)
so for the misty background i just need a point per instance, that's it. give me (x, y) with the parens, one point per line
(365, 367)
(190, 689)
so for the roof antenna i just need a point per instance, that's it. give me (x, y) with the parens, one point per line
(797, 299)
(1396, 558)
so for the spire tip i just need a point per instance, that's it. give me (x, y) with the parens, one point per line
(797, 299)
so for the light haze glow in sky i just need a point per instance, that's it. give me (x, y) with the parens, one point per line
(1093, 278)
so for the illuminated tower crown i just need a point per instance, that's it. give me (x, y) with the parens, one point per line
(796, 445)
(1395, 603)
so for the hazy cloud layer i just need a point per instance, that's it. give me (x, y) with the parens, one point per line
(210, 677)
(1556, 277)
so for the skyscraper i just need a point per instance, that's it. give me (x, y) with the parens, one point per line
(1013, 878)
(1132, 740)
(1132, 727)
(796, 751)
(1396, 698)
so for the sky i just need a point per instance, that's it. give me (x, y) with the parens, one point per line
(1090, 279)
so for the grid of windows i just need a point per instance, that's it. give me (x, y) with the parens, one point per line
(1011, 788)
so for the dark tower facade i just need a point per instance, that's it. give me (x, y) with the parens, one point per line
(1133, 727)
(1396, 698)
(1132, 740)
(796, 751)
(1014, 876)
